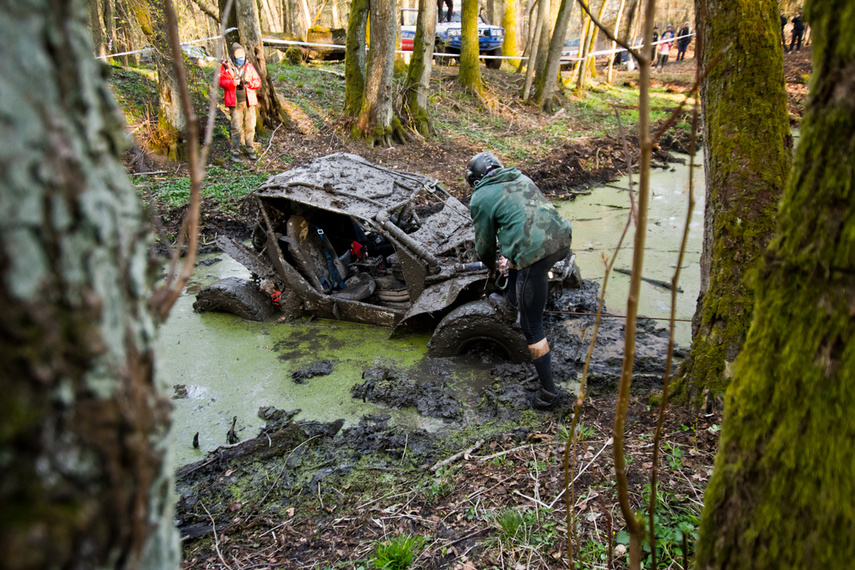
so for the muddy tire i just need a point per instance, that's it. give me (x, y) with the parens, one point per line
(478, 326)
(239, 297)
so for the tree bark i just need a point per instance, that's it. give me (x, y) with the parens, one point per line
(171, 122)
(747, 158)
(470, 68)
(614, 45)
(377, 122)
(531, 66)
(270, 109)
(543, 39)
(85, 469)
(96, 29)
(417, 88)
(354, 58)
(781, 493)
(545, 84)
(509, 22)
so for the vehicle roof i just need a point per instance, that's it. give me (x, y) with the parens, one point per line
(350, 185)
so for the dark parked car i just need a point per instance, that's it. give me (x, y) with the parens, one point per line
(352, 240)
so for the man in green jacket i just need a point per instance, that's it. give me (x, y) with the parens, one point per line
(532, 236)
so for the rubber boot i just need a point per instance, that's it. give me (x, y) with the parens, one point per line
(545, 397)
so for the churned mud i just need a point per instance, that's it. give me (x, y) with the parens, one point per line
(291, 462)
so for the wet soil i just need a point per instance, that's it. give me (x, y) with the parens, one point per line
(307, 479)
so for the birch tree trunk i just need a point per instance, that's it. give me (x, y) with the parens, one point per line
(747, 158)
(470, 69)
(417, 88)
(545, 84)
(85, 469)
(270, 109)
(781, 495)
(377, 122)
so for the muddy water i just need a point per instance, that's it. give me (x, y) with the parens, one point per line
(598, 221)
(218, 367)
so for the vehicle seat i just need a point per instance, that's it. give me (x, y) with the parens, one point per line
(314, 255)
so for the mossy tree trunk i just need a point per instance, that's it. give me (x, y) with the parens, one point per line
(747, 158)
(270, 109)
(470, 69)
(781, 495)
(85, 469)
(546, 81)
(171, 121)
(354, 58)
(416, 88)
(377, 122)
(509, 22)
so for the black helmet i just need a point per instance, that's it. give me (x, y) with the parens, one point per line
(481, 164)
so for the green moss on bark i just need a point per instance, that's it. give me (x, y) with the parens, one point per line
(781, 494)
(748, 158)
(354, 63)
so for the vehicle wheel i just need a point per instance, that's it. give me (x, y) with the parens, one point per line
(478, 326)
(494, 63)
(237, 296)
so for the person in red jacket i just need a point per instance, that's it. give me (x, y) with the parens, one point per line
(240, 81)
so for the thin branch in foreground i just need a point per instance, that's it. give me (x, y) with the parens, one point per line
(569, 497)
(663, 404)
(165, 296)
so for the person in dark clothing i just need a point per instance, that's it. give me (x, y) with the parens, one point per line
(450, 4)
(798, 32)
(783, 23)
(684, 38)
(532, 236)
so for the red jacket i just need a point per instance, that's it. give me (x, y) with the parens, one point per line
(229, 74)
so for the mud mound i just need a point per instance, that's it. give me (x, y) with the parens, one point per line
(394, 389)
(319, 368)
(570, 338)
(583, 163)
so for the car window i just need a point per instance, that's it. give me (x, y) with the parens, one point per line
(455, 17)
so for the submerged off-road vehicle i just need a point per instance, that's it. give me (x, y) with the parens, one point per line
(352, 240)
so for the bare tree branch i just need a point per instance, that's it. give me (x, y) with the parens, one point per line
(209, 10)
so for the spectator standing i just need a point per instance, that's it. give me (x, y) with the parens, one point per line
(798, 31)
(664, 47)
(684, 38)
(783, 23)
(240, 81)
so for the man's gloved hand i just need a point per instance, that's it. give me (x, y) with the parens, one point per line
(504, 265)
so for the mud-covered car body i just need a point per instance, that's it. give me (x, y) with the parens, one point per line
(416, 259)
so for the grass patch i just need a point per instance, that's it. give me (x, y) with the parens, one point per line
(226, 186)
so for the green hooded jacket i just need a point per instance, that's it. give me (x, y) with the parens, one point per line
(507, 205)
